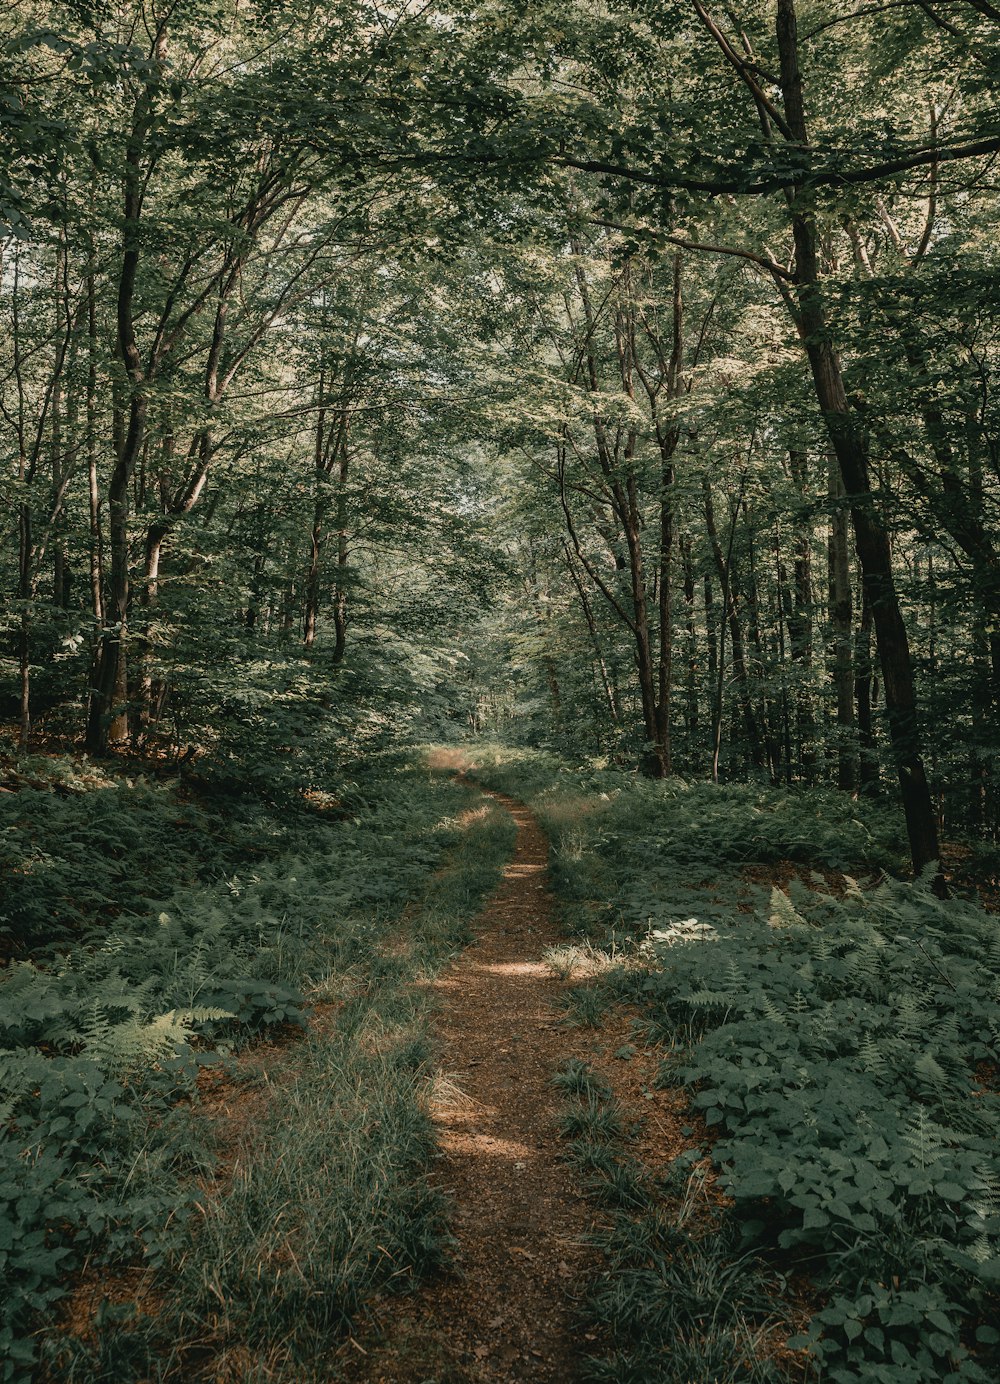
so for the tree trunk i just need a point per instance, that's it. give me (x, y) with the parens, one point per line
(343, 555)
(871, 535)
(107, 723)
(691, 718)
(868, 776)
(800, 627)
(321, 471)
(666, 616)
(96, 553)
(767, 711)
(610, 694)
(24, 518)
(841, 629)
(725, 568)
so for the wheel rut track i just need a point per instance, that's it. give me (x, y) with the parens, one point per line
(504, 1311)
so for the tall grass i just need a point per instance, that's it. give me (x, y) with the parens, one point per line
(258, 1251)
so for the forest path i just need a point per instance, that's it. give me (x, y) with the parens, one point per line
(503, 1313)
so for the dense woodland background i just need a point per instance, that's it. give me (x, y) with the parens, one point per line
(617, 380)
(548, 370)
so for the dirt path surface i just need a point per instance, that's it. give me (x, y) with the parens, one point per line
(504, 1313)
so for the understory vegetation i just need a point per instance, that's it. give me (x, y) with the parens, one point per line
(838, 1038)
(133, 996)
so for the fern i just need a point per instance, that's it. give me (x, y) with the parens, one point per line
(911, 1014)
(772, 1012)
(783, 913)
(924, 1139)
(871, 1056)
(136, 1042)
(828, 1040)
(710, 999)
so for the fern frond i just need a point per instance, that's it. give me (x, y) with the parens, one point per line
(143, 1042)
(783, 912)
(772, 1011)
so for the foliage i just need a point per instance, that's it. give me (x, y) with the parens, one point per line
(101, 1041)
(673, 1300)
(838, 1039)
(854, 1025)
(634, 854)
(622, 379)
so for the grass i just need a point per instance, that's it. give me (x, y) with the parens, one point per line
(586, 1005)
(578, 1078)
(675, 1300)
(256, 1238)
(673, 1307)
(623, 1185)
(596, 1118)
(575, 961)
(837, 1035)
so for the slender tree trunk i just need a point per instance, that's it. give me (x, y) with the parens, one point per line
(767, 713)
(800, 627)
(667, 436)
(784, 611)
(108, 721)
(343, 555)
(715, 651)
(60, 566)
(666, 618)
(841, 629)
(610, 695)
(691, 719)
(93, 483)
(321, 472)
(24, 521)
(868, 768)
(725, 567)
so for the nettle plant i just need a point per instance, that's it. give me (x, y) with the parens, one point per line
(833, 1044)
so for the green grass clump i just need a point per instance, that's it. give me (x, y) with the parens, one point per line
(578, 1078)
(624, 1185)
(594, 1118)
(672, 1306)
(675, 1299)
(328, 1200)
(586, 1005)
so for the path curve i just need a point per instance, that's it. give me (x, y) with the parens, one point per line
(504, 1313)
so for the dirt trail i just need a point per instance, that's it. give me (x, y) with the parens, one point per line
(505, 1312)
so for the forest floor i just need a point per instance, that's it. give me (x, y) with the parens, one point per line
(507, 1309)
(470, 1126)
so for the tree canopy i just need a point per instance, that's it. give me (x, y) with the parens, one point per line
(622, 371)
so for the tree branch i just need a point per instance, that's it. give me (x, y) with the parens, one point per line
(682, 243)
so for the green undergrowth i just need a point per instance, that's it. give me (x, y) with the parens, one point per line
(109, 1166)
(839, 1039)
(675, 1300)
(629, 853)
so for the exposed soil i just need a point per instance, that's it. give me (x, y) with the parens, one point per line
(505, 1310)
